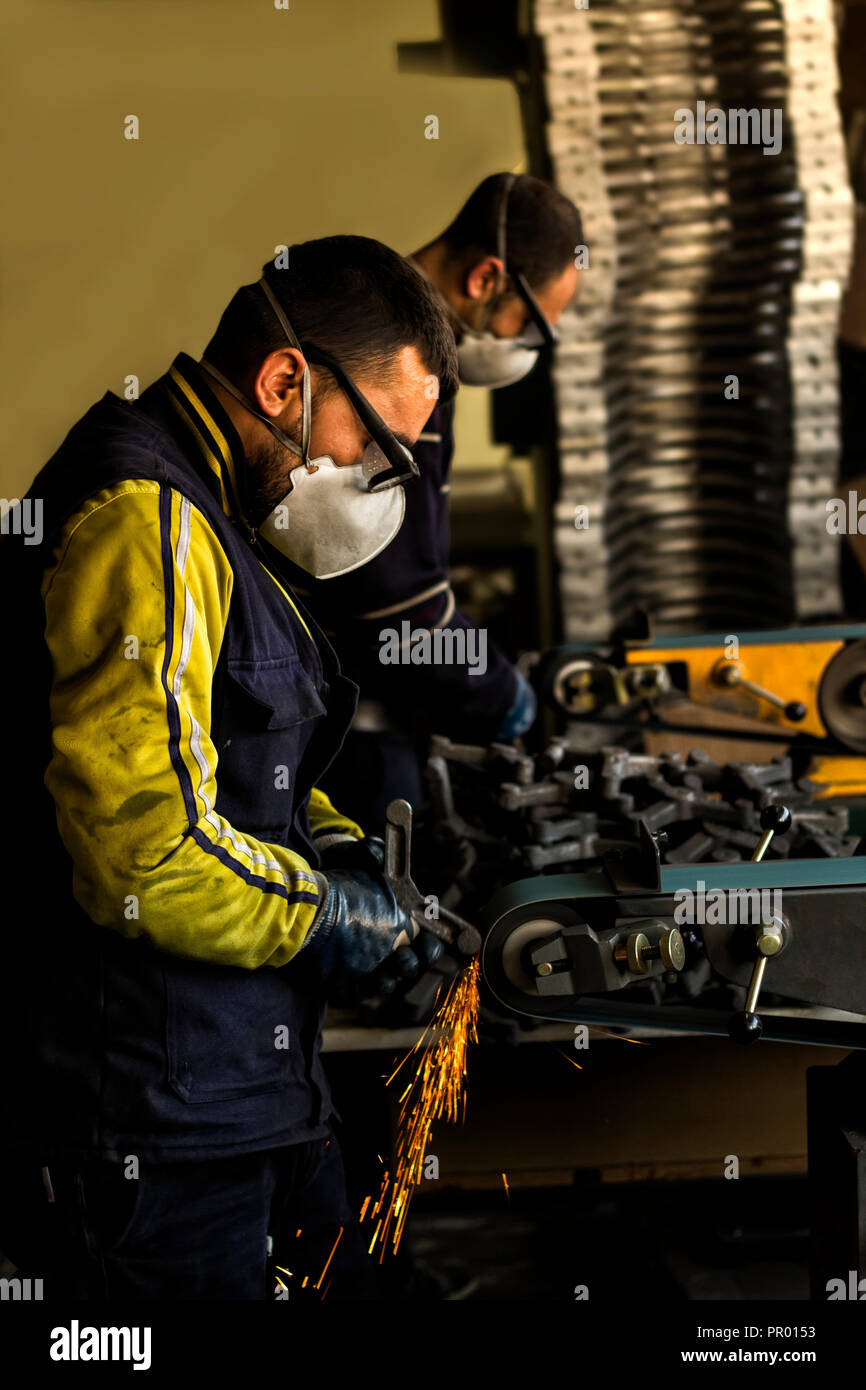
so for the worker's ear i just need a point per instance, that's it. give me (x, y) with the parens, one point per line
(279, 376)
(484, 278)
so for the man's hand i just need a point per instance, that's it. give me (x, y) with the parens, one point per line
(358, 926)
(522, 713)
(406, 964)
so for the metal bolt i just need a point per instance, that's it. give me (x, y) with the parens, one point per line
(770, 936)
(672, 949)
(638, 951)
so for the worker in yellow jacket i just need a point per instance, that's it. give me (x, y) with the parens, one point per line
(188, 896)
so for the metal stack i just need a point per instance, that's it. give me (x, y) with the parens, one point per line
(827, 249)
(499, 814)
(695, 382)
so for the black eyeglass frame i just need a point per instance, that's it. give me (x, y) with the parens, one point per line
(546, 329)
(500, 239)
(403, 466)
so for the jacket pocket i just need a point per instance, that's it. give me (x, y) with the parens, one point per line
(278, 696)
(230, 1033)
(269, 713)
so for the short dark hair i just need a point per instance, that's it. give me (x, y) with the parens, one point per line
(542, 230)
(351, 296)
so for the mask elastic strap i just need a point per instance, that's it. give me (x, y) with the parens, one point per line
(501, 242)
(306, 414)
(248, 405)
(502, 219)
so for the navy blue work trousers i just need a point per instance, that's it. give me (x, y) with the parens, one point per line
(189, 1231)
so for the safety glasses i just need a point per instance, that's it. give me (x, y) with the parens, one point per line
(402, 465)
(548, 333)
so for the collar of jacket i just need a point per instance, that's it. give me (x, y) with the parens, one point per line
(212, 433)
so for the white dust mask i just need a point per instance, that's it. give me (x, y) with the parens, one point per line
(329, 523)
(485, 360)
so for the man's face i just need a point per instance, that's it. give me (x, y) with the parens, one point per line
(512, 317)
(403, 396)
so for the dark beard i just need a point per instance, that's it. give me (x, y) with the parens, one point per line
(269, 469)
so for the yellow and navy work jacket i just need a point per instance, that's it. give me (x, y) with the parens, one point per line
(174, 710)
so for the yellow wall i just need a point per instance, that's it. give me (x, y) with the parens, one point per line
(258, 126)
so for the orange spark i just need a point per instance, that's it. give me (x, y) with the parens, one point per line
(638, 1042)
(435, 1091)
(569, 1059)
(329, 1259)
(373, 1241)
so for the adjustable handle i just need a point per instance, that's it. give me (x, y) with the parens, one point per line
(729, 673)
(770, 937)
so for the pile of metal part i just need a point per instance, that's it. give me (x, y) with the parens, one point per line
(696, 381)
(499, 814)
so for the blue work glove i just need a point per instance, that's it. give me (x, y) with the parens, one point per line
(521, 714)
(407, 963)
(358, 926)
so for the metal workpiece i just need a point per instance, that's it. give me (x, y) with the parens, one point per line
(562, 852)
(597, 804)
(493, 757)
(514, 798)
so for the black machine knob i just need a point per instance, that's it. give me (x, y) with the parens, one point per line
(745, 1027)
(775, 820)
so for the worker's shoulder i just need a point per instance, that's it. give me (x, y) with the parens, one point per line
(133, 500)
(138, 514)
